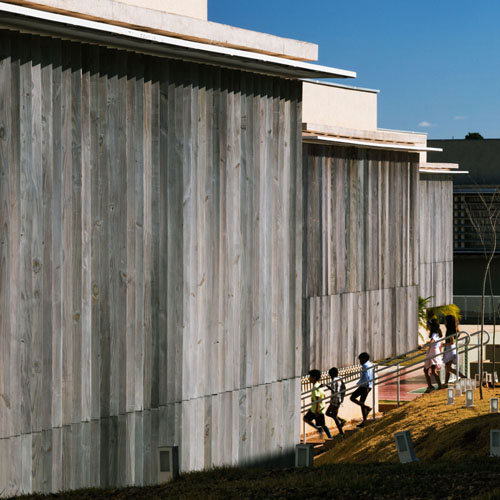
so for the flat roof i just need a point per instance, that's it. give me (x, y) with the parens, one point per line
(69, 27)
(391, 146)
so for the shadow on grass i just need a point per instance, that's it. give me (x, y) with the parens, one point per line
(443, 479)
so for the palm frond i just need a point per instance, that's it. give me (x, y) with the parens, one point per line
(442, 311)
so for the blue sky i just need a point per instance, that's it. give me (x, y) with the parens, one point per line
(435, 62)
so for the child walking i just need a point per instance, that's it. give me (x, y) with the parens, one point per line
(365, 385)
(317, 410)
(433, 359)
(337, 387)
(450, 351)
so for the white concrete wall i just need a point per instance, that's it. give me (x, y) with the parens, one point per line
(328, 104)
(190, 8)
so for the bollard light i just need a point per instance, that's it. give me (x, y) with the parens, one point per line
(168, 463)
(404, 445)
(458, 390)
(494, 443)
(476, 380)
(451, 396)
(304, 455)
(469, 398)
(494, 405)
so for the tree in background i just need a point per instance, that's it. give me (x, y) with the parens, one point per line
(484, 217)
(474, 136)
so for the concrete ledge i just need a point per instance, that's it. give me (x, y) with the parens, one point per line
(442, 168)
(186, 28)
(408, 138)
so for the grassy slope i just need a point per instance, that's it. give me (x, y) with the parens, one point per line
(438, 431)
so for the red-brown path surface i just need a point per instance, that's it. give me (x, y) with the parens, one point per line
(408, 382)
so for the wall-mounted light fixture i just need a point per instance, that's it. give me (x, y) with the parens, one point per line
(304, 455)
(168, 463)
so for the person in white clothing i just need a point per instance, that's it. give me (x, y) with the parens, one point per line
(450, 351)
(433, 357)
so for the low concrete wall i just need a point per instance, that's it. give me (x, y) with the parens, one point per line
(341, 106)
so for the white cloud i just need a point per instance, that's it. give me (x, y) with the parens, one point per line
(460, 117)
(425, 124)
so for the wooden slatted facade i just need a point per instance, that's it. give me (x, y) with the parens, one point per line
(360, 252)
(436, 238)
(150, 264)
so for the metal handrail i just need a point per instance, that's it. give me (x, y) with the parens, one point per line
(408, 368)
(384, 363)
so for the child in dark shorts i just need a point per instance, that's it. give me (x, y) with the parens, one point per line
(317, 411)
(365, 385)
(338, 392)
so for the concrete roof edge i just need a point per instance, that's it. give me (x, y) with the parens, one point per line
(174, 25)
(404, 131)
(436, 165)
(374, 135)
(339, 85)
(390, 146)
(440, 171)
(53, 24)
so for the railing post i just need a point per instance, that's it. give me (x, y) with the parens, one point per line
(465, 358)
(398, 382)
(374, 388)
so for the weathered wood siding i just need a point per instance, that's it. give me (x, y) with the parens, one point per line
(150, 264)
(436, 238)
(360, 254)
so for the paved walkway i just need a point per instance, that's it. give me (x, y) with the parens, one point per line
(409, 382)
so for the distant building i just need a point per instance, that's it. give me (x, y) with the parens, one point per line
(481, 158)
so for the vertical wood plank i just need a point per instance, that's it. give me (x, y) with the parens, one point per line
(5, 240)
(75, 174)
(67, 254)
(87, 156)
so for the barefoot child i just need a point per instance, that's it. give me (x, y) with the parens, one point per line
(337, 387)
(317, 410)
(365, 385)
(433, 359)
